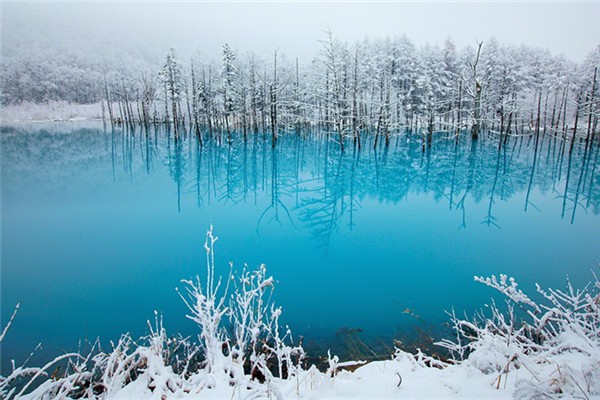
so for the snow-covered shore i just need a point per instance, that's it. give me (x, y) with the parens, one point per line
(51, 111)
(401, 378)
(406, 376)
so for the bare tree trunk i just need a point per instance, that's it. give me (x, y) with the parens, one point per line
(591, 111)
(139, 108)
(273, 90)
(253, 94)
(166, 105)
(552, 120)
(209, 109)
(187, 101)
(297, 115)
(546, 109)
(537, 119)
(579, 96)
(195, 106)
(354, 103)
(477, 113)
(108, 104)
(458, 111)
(564, 118)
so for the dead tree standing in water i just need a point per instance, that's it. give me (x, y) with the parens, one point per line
(476, 96)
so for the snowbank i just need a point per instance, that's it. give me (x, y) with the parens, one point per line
(51, 111)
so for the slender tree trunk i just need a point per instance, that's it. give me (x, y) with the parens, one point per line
(108, 104)
(477, 126)
(564, 117)
(591, 111)
(355, 104)
(546, 110)
(579, 96)
(552, 120)
(195, 105)
(274, 89)
(166, 105)
(458, 111)
(188, 105)
(537, 119)
(253, 95)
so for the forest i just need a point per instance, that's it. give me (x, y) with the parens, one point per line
(375, 87)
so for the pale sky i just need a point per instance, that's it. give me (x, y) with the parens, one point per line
(569, 28)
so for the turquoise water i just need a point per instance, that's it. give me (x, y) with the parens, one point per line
(99, 227)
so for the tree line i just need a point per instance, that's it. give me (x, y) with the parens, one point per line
(372, 87)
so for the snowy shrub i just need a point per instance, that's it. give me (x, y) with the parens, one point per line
(208, 308)
(239, 332)
(156, 364)
(22, 378)
(147, 364)
(242, 350)
(556, 341)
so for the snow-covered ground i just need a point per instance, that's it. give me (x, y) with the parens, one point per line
(403, 377)
(51, 111)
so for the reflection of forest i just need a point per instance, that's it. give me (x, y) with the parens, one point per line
(310, 181)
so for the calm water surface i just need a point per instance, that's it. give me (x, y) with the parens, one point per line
(99, 227)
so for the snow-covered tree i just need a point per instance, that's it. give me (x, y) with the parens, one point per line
(172, 79)
(229, 84)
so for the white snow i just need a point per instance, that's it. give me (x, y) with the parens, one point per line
(51, 111)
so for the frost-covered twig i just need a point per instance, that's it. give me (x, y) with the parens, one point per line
(10, 321)
(207, 307)
(508, 289)
(563, 330)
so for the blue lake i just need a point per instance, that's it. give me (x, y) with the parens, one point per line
(100, 226)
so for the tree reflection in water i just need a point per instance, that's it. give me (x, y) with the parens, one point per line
(310, 183)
